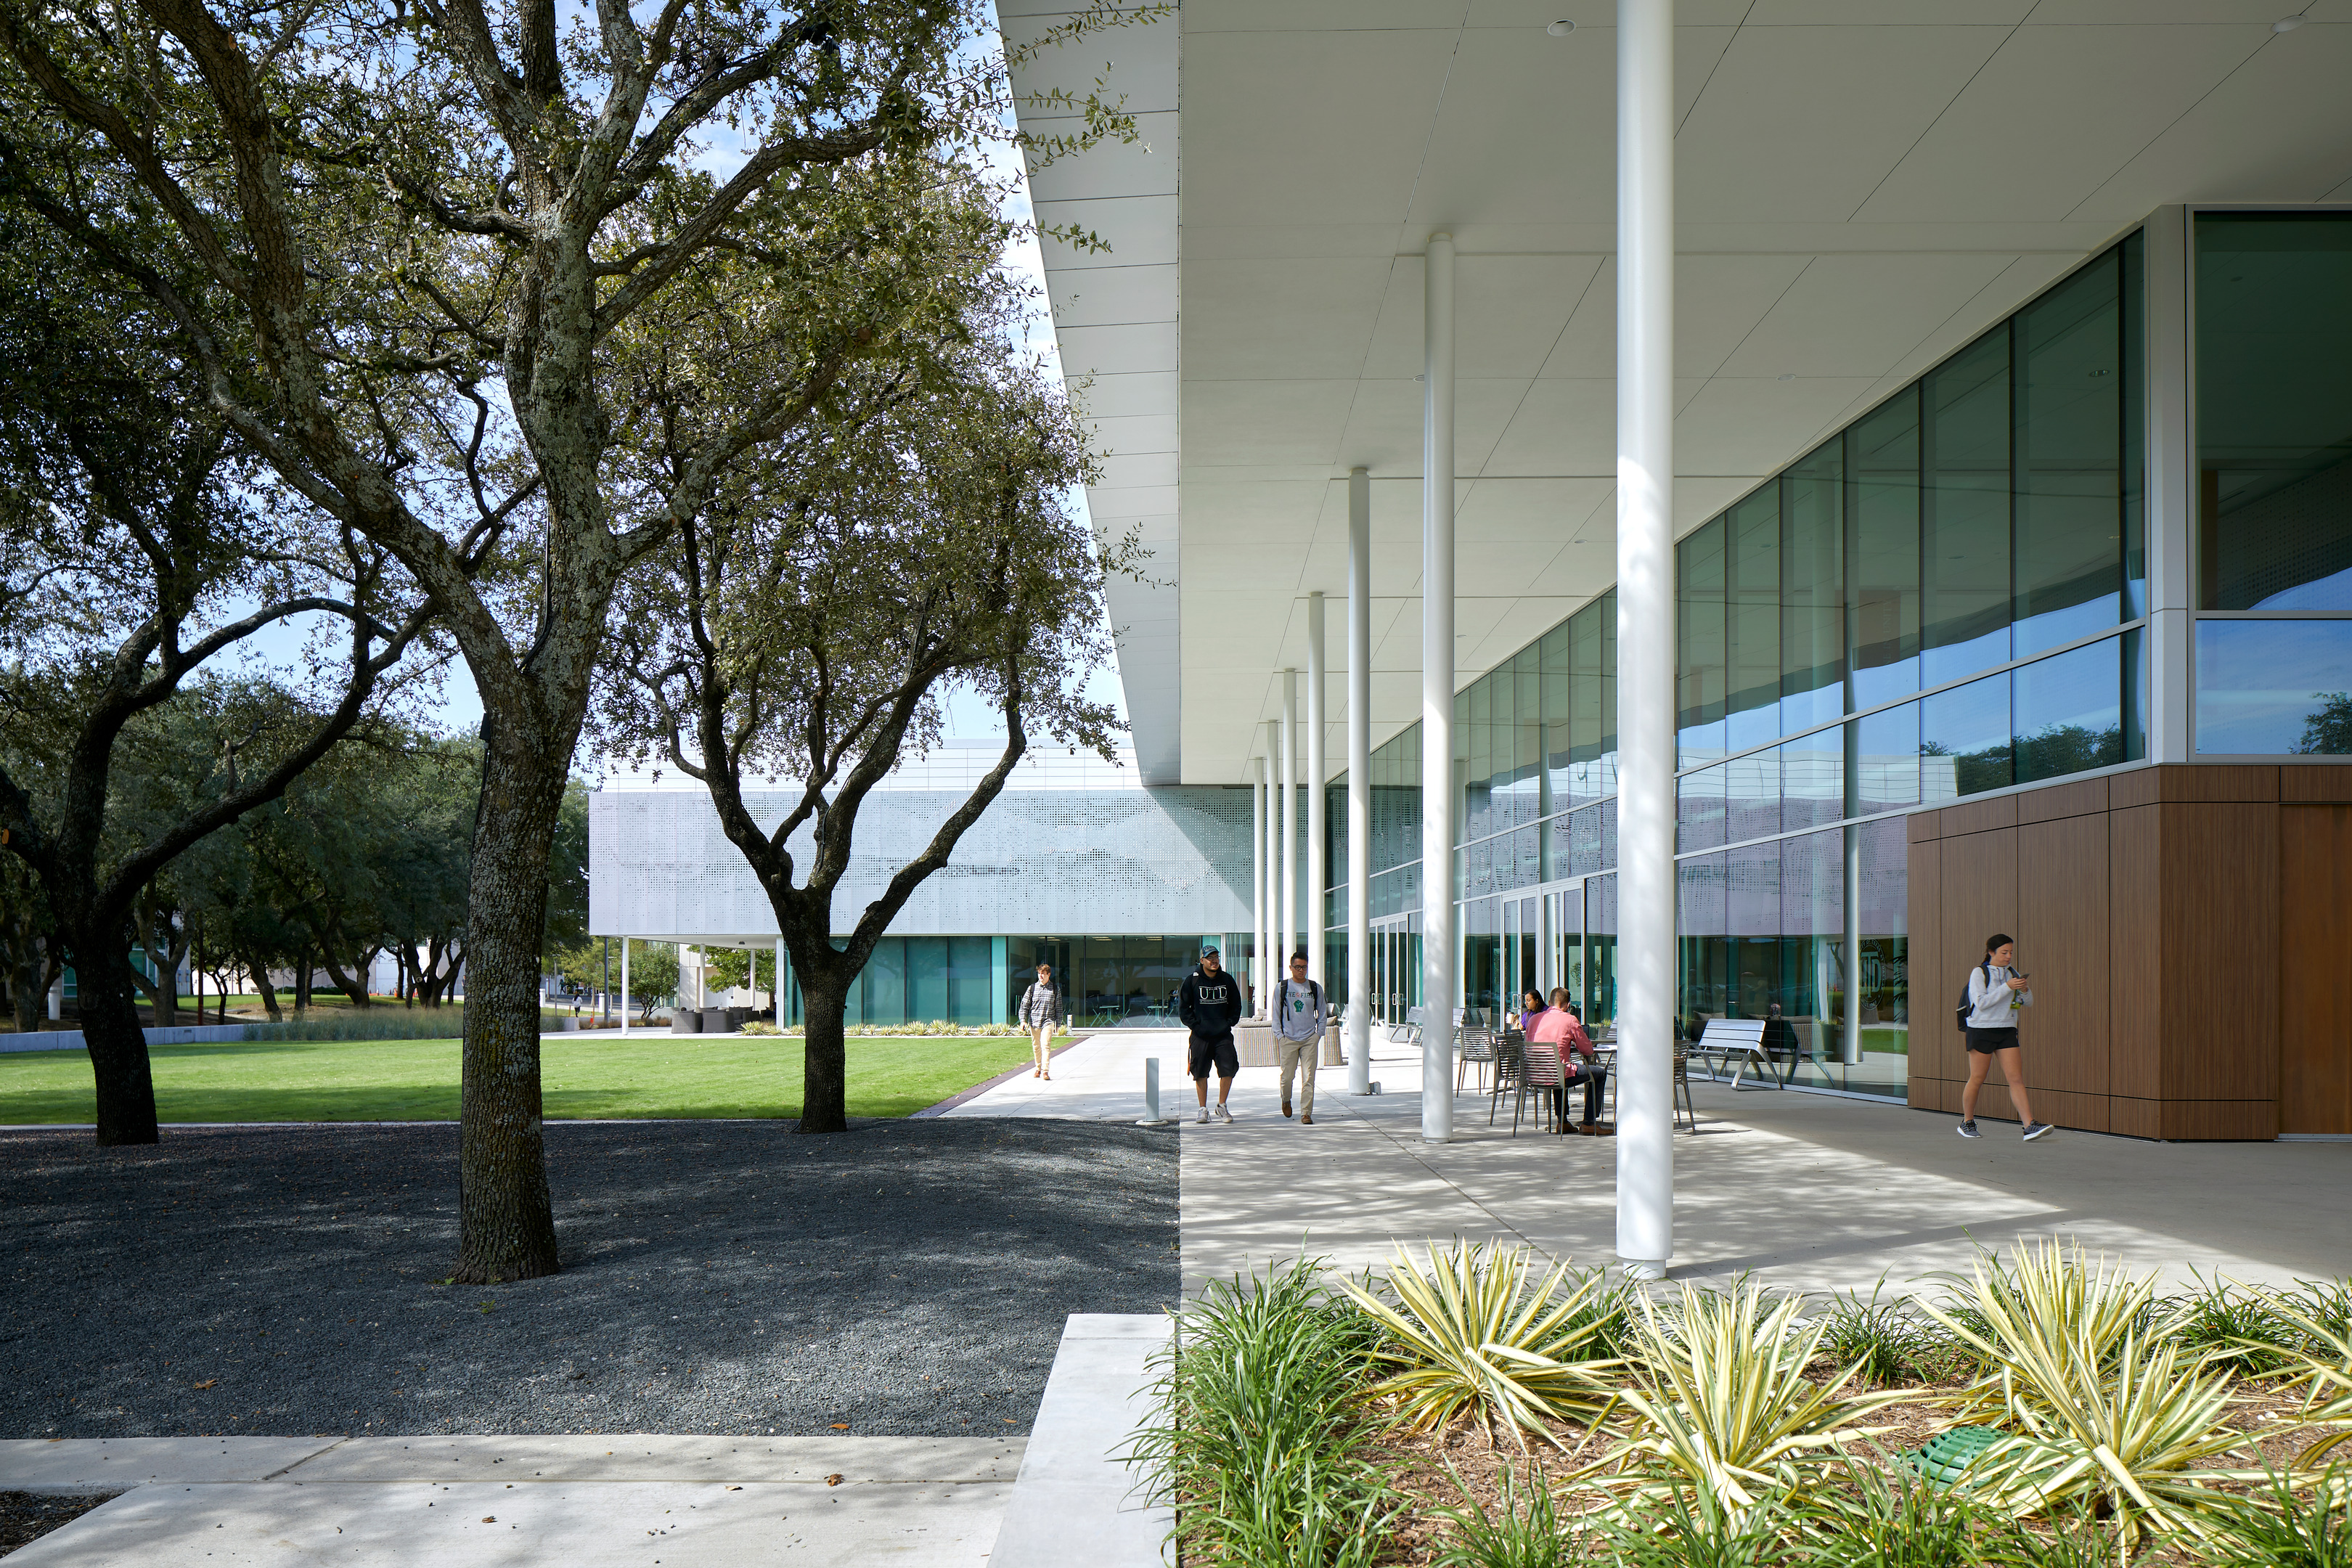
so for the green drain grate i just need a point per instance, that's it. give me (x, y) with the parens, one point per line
(1949, 1453)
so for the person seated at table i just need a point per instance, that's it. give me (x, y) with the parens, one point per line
(1532, 1007)
(1561, 1026)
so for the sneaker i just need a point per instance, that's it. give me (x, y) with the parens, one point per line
(1308, 1120)
(1223, 1114)
(1205, 1116)
(1969, 1128)
(2034, 1129)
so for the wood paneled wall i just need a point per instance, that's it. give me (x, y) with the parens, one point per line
(2182, 929)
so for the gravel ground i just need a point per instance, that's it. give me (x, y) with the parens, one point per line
(25, 1517)
(903, 1278)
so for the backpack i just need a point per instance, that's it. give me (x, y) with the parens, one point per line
(1965, 1009)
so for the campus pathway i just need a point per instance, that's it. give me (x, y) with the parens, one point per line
(460, 1503)
(1800, 1190)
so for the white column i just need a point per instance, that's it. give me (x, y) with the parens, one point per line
(1645, 635)
(625, 988)
(1258, 882)
(1359, 783)
(2170, 518)
(1318, 871)
(1437, 955)
(1270, 960)
(780, 984)
(1289, 829)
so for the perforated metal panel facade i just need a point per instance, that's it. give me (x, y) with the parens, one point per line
(1070, 862)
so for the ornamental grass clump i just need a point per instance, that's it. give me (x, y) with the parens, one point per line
(1467, 1334)
(1261, 1443)
(1887, 1343)
(2244, 1327)
(1716, 1399)
(1523, 1531)
(2106, 1413)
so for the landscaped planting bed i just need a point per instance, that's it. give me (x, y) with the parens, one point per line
(1464, 1408)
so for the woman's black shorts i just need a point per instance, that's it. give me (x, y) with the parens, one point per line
(1992, 1041)
(1219, 1050)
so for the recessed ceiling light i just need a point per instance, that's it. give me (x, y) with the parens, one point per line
(1788, 375)
(2283, 25)
(1561, 28)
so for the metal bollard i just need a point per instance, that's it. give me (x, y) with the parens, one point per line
(1151, 1117)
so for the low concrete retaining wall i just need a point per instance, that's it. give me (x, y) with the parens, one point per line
(71, 1039)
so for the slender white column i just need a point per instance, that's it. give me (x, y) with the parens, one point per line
(1319, 848)
(780, 984)
(1272, 963)
(625, 985)
(1359, 782)
(1437, 957)
(1289, 829)
(1258, 882)
(1645, 635)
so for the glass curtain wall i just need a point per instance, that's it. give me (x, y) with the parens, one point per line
(2273, 298)
(1943, 599)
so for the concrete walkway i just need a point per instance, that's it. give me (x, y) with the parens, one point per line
(601, 1502)
(1802, 1191)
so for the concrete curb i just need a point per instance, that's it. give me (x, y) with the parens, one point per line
(1076, 1504)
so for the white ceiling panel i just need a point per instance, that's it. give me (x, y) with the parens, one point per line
(1862, 185)
(2051, 116)
(1803, 122)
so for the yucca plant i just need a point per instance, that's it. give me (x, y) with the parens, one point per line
(1469, 1335)
(2109, 1414)
(2327, 1368)
(1716, 1400)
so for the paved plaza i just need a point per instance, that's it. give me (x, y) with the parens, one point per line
(1801, 1191)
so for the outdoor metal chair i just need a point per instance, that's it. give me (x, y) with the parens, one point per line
(1541, 1076)
(1510, 1065)
(1477, 1047)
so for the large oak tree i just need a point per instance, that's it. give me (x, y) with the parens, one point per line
(421, 225)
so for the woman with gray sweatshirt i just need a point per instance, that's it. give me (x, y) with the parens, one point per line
(1996, 991)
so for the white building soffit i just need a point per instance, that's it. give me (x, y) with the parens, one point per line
(1114, 317)
(1862, 186)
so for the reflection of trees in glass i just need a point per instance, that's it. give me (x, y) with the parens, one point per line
(2051, 752)
(2328, 732)
(2059, 749)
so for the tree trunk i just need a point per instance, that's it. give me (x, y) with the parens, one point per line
(302, 981)
(266, 989)
(118, 1045)
(506, 1215)
(823, 1056)
(27, 986)
(354, 988)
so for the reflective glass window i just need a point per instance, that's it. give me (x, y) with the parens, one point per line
(1703, 948)
(1812, 589)
(2274, 410)
(926, 975)
(1585, 690)
(1552, 652)
(1886, 759)
(1965, 741)
(1698, 632)
(2134, 253)
(885, 983)
(1813, 939)
(1751, 621)
(1964, 512)
(1478, 749)
(2275, 687)
(1751, 795)
(1698, 809)
(2069, 711)
(1527, 755)
(1812, 779)
(2069, 532)
(1882, 480)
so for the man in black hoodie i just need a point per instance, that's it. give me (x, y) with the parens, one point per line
(1210, 1003)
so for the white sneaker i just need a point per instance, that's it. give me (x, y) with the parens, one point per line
(1205, 1116)
(1225, 1114)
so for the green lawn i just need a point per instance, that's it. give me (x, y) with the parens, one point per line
(417, 1081)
